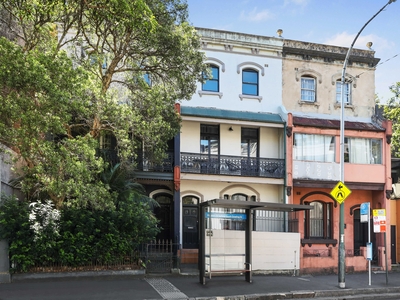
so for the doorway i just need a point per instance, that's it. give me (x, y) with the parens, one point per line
(190, 220)
(393, 244)
(164, 213)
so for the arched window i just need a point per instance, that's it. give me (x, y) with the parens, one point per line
(211, 83)
(308, 89)
(318, 221)
(347, 92)
(250, 82)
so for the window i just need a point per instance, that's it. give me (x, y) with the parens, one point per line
(308, 89)
(250, 82)
(362, 151)
(347, 92)
(313, 147)
(318, 221)
(211, 83)
(209, 139)
(249, 142)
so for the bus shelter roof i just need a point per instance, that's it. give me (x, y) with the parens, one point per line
(252, 205)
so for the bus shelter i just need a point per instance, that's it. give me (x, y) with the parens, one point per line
(205, 256)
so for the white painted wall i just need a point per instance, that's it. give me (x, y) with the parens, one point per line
(265, 59)
(271, 250)
(271, 145)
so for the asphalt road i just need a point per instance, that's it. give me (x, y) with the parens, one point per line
(142, 287)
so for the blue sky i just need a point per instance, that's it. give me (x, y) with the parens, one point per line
(333, 22)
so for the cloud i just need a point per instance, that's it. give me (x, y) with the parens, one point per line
(345, 39)
(296, 2)
(256, 15)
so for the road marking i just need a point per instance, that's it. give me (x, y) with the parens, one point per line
(166, 289)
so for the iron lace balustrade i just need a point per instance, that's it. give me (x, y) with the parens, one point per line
(232, 165)
(146, 163)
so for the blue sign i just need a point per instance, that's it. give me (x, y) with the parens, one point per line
(364, 208)
(230, 216)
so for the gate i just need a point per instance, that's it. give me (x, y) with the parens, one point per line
(160, 256)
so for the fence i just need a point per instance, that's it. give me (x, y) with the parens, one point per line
(160, 256)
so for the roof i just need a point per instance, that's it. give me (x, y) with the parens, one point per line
(230, 114)
(226, 203)
(335, 124)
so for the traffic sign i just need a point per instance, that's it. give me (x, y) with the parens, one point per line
(340, 192)
(379, 216)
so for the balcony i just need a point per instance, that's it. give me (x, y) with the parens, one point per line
(232, 165)
(145, 163)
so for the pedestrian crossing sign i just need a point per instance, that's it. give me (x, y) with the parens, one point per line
(340, 192)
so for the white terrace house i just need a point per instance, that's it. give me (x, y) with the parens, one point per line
(232, 146)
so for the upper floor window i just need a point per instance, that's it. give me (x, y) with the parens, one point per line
(308, 88)
(209, 139)
(318, 221)
(211, 83)
(347, 92)
(362, 151)
(314, 147)
(249, 142)
(250, 82)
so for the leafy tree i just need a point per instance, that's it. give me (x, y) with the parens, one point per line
(80, 75)
(392, 112)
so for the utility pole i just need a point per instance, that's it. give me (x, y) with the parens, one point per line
(342, 259)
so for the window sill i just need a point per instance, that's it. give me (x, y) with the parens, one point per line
(207, 93)
(317, 104)
(327, 242)
(242, 96)
(350, 106)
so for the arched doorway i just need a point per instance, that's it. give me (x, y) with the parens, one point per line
(164, 213)
(190, 211)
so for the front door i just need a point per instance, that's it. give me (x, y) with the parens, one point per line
(164, 213)
(393, 244)
(190, 227)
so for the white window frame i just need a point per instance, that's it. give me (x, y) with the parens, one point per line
(308, 93)
(314, 147)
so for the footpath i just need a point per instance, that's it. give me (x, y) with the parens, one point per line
(186, 285)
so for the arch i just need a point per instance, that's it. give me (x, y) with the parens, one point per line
(212, 60)
(224, 191)
(348, 77)
(193, 193)
(304, 72)
(304, 198)
(249, 63)
(160, 191)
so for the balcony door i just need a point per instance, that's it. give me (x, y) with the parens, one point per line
(250, 151)
(209, 148)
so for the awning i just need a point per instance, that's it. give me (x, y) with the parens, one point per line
(226, 203)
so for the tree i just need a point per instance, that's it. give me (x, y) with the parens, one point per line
(392, 112)
(132, 60)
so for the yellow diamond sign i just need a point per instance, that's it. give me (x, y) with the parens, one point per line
(340, 192)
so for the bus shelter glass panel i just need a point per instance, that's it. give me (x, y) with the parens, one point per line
(225, 239)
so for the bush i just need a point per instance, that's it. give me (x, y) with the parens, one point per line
(78, 237)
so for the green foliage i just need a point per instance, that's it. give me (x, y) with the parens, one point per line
(78, 238)
(392, 112)
(70, 84)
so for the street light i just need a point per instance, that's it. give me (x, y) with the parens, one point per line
(342, 262)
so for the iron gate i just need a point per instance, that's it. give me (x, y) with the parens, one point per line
(160, 256)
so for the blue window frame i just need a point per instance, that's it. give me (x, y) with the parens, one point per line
(250, 82)
(211, 83)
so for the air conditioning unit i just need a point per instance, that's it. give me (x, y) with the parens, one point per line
(395, 191)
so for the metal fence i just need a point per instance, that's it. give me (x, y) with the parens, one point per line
(160, 256)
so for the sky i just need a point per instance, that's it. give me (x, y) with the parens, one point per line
(332, 22)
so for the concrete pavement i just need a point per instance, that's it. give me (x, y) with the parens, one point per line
(121, 286)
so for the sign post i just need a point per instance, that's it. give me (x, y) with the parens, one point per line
(380, 226)
(340, 192)
(365, 216)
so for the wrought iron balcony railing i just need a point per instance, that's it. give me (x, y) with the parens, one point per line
(232, 165)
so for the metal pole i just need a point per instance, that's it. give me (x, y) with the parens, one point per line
(369, 243)
(342, 262)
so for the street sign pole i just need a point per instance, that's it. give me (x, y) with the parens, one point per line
(341, 263)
